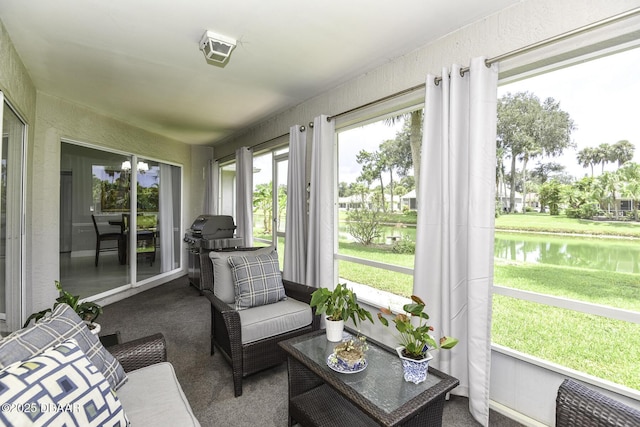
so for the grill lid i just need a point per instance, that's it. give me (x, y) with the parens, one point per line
(213, 227)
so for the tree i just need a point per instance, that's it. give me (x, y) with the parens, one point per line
(602, 155)
(412, 133)
(263, 200)
(528, 128)
(551, 193)
(373, 165)
(622, 152)
(608, 184)
(630, 173)
(587, 157)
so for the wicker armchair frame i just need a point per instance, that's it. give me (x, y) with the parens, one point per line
(256, 356)
(578, 405)
(141, 352)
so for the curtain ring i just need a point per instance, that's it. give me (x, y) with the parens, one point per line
(302, 128)
(311, 125)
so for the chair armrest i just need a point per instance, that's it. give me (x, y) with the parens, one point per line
(578, 405)
(141, 352)
(298, 291)
(302, 293)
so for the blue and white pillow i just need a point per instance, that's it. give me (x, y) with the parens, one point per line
(59, 387)
(62, 325)
(257, 280)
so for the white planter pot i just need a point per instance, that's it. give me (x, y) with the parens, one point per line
(334, 330)
(415, 371)
(94, 329)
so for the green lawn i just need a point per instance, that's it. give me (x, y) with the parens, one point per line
(561, 224)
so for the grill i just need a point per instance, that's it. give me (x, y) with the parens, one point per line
(208, 232)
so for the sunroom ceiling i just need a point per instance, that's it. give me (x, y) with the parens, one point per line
(138, 61)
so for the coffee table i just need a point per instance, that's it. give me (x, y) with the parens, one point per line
(378, 395)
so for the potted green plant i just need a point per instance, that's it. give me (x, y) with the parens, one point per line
(87, 310)
(338, 305)
(415, 340)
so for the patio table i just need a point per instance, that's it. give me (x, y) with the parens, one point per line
(378, 395)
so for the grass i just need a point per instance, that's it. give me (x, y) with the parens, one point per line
(605, 348)
(536, 222)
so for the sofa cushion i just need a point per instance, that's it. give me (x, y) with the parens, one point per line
(59, 386)
(274, 319)
(153, 397)
(222, 279)
(62, 325)
(257, 280)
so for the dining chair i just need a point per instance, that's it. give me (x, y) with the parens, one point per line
(105, 237)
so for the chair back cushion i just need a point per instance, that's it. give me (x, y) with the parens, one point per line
(62, 325)
(222, 280)
(256, 279)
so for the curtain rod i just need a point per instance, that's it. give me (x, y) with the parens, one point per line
(231, 156)
(508, 55)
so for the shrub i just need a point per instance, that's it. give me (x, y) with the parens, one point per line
(364, 225)
(404, 247)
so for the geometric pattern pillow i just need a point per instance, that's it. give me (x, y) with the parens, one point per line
(63, 324)
(257, 280)
(58, 387)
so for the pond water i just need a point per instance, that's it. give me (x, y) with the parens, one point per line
(616, 255)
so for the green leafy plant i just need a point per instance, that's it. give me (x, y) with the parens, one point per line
(87, 310)
(416, 340)
(339, 304)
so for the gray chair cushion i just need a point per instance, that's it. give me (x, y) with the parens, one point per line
(63, 324)
(257, 280)
(222, 279)
(273, 319)
(153, 397)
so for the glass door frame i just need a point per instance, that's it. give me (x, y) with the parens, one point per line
(15, 249)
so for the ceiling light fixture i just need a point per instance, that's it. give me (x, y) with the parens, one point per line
(215, 47)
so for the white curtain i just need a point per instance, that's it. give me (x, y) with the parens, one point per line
(320, 270)
(295, 249)
(455, 231)
(244, 195)
(210, 202)
(166, 218)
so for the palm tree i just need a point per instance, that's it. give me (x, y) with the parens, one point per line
(630, 173)
(608, 183)
(622, 152)
(587, 158)
(603, 154)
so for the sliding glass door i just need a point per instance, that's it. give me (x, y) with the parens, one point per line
(13, 131)
(108, 240)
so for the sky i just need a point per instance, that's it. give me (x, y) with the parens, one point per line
(601, 96)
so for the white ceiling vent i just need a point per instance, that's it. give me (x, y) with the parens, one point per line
(216, 48)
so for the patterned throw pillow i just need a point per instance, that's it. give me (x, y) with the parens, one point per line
(63, 324)
(257, 280)
(58, 387)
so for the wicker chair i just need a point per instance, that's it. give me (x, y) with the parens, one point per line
(578, 405)
(249, 358)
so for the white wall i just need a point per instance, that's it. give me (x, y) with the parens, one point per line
(523, 387)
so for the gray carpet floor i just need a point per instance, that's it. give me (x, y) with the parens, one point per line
(179, 312)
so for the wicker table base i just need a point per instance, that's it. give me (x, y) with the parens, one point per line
(319, 396)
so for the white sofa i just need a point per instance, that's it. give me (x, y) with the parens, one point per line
(61, 368)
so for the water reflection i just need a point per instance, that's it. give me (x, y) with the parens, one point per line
(622, 256)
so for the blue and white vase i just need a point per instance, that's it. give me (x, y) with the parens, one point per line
(415, 371)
